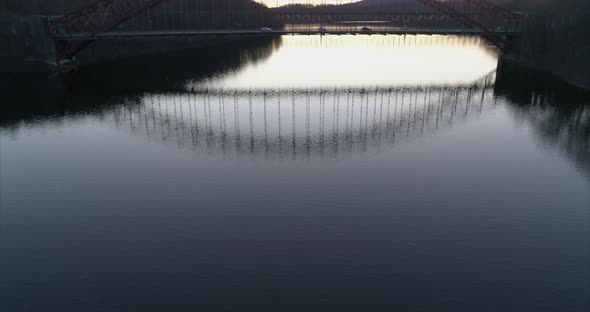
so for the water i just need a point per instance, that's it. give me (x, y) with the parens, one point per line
(301, 174)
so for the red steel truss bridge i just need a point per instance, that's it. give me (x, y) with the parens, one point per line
(74, 31)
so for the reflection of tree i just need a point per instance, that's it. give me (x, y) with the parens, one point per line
(171, 70)
(552, 38)
(567, 128)
(27, 97)
(559, 113)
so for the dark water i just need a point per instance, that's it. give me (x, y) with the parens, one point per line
(302, 174)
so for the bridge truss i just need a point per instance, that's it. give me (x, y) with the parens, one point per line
(491, 17)
(298, 17)
(100, 17)
(104, 16)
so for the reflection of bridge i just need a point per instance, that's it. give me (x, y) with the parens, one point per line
(300, 123)
(102, 20)
(183, 118)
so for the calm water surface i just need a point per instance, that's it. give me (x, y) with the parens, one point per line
(344, 173)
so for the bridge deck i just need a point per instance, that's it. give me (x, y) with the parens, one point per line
(259, 32)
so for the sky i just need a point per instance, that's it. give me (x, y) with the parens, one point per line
(273, 3)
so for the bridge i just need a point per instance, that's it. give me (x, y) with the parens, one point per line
(110, 19)
(271, 32)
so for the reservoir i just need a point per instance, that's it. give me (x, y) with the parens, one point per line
(297, 173)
